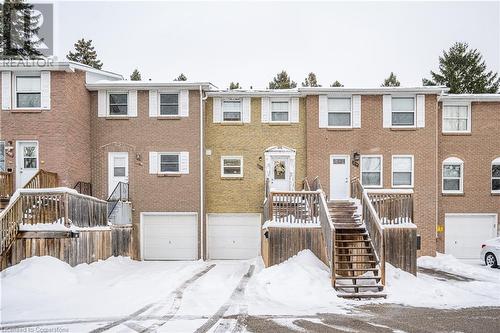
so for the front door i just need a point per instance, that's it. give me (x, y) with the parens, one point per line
(339, 177)
(280, 173)
(26, 162)
(117, 169)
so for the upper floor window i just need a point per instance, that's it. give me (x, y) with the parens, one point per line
(28, 91)
(403, 111)
(456, 118)
(231, 110)
(169, 162)
(2, 156)
(280, 111)
(453, 175)
(495, 176)
(169, 104)
(402, 171)
(118, 104)
(232, 166)
(339, 112)
(371, 170)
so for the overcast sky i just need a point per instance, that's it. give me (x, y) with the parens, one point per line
(357, 43)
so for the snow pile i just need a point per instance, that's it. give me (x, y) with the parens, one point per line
(58, 226)
(290, 221)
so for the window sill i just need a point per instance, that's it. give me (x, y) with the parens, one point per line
(231, 123)
(456, 133)
(169, 174)
(452, 194)
(168, 117)
(281, 123)
(340, 128)
(231, 178)
(27, 110)
(495, 194)
(403, 128)
(117, 118)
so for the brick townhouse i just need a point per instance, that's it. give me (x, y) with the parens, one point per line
(197, 159)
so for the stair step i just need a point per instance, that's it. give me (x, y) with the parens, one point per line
(362, 295)
(354, 254)
(352, 240)
(354, 247)
(355, 262)
(356, 269)
(352, 286)
(340, 277)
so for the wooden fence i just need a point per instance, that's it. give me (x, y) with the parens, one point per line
(43, 179)
(6, 184)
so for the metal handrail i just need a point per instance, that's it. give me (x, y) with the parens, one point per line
(83, 188)
(120, 193)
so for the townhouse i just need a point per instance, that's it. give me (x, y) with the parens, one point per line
(197, 160)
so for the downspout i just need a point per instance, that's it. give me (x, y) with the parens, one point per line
(202, 177)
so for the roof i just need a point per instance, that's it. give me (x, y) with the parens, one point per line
(125, 84)
(51, 65)
(471, 97)
(255, 92)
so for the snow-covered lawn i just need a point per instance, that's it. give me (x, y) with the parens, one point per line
(189, 293)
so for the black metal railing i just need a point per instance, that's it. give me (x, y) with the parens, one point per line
(120, 193)
(83, 188)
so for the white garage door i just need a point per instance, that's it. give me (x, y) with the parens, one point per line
(464, 234)
(233, 236)
(169, 236)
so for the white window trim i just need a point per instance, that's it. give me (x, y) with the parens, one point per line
(381, 171)
(469, 117)
(2, 152)
(494, 162)
(14, 90)
(328, 111)
(222, 174)
(169, 172)
(453, 161)
(414, 111)
(412, 171)
(159, 104)
(241, 110)
(108, 104)
(288, 100)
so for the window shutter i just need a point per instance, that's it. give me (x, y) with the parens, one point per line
(153, 162)
(264, 112)
(421, 111)
(217, 110)
(6, 90)
(294, 110)
(102, 104)
(387, 111)
(323, 111)
(184, 162)
(184, 103)
(132, 107)
(45, 90)
(356, 111)
(247, 110)
(153, 103)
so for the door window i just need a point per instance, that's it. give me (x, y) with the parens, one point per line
(279, 170)
(119, 167)
(29, 157)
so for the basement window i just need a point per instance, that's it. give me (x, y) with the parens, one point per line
(231, 166)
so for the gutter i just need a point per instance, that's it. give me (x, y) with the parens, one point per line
(202, 177)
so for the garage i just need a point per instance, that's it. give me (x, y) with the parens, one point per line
(233, 236)
(464, 233)
(169, 236)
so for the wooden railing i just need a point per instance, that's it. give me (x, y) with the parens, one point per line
(43, 179)
(393, 208)
(6, 184)
(293, 206)
(83, 188)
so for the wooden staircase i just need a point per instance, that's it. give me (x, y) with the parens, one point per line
(356, 271)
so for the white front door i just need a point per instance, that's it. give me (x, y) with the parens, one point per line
(26, 162)
(117, 169)
(280, 169)
(339, 177)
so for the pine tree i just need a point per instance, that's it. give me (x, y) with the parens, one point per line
(85, 54)
(136, 75)
(282, 81)
(234, 85)
(310, 81)
(181, 77)
(336, 84)
(391, 81)
(19, 30)
(463, 70)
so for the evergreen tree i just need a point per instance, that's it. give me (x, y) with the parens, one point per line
(282, 81)
(19, 30)
(234, 85)
(463, 70)
(136, 75)
(181, 77)
(336, 84)
(391, 81)
(310, 81)
(85, 54)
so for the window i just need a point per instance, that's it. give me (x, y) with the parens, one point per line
(453, 175)
(169, 163)
(280, 111)
(169, 104)
(339, 112)
(403, 111)
(2, 156)
(232, 166)
(402, 171)
(231, 110)
(495, 176)
(371, 171)
(456, 118)
(118, 104)
(28, 91)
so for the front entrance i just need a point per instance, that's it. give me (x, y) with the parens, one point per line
(26, 161)
(280, 168)
(339, 177)
(117, 169)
